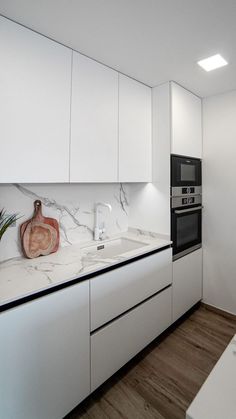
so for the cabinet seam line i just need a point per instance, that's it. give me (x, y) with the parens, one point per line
(129, 310)
(70, 130)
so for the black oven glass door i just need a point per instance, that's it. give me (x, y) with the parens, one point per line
(185, 171)
(186, 228)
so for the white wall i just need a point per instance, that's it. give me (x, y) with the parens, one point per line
(219, 199)
(150, 202)
(72, 205)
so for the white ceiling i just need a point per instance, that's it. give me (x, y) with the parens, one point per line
(150, 40)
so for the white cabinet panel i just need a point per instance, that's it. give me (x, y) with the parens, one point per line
(187, 283)
(44, 355)
(94, 122)
(35, 78)
(118, 342)
(135, 145)
(117, 291)
(186, 122)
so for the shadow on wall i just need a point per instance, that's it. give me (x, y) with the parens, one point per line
(150, 207)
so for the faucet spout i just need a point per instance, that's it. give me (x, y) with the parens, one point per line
(103, 204)
(98, 232)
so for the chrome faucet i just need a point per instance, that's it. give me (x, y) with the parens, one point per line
(98, 231)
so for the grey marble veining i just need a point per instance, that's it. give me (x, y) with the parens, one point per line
(122, 199)
(71, 204)
(61, 209)
(20, 277)
(141, 232)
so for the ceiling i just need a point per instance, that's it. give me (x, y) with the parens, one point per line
(151, 40)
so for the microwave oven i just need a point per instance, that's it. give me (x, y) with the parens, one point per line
(186, 175)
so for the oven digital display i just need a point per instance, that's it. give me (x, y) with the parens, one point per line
(188, 172)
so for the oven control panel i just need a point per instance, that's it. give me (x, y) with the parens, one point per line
(188, 201)
(188, 190)
(185, 191)
(186, 196)
(182, 201)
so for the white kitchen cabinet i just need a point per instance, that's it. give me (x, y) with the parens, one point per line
(186, 124)
(119, 290)
(93, 128)
(94, 122)
(135, 144)
(44, 355)
(115, 344)
(187, 282)
(35, 79)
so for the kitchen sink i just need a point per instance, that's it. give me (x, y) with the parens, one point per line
(112, 248)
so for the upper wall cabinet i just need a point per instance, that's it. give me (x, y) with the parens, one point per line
(94, 119)
(93, 128)
(186, 122)
(35, 78)
(135, 145)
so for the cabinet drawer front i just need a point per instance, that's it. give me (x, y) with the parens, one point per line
(119, 341)
(121, 289)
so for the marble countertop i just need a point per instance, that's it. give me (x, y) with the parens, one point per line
(21, 277)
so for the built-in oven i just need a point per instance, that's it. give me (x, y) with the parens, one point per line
(186, 228)
(186, 175)
(186, 205)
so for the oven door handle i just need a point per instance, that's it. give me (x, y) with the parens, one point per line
(188, 210)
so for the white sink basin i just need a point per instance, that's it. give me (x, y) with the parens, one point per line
(113, 248)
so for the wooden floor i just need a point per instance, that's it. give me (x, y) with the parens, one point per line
(161, 382)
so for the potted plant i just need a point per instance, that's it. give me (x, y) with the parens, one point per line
(6, 221)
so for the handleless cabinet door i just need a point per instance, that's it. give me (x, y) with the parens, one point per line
(186, 122)
(94, 122)
(44, 355)
(135, 144)
(35, 83)
(187, 282)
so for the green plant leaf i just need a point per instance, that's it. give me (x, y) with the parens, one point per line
(6, 221)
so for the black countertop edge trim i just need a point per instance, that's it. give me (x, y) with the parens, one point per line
(42, 293)
(128, 310)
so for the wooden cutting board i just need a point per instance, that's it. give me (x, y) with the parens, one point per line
(39, 235)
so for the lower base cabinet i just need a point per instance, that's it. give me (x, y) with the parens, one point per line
(187, 283)
(49, 359)
(115, 292)
(115, 344)
(45, 355)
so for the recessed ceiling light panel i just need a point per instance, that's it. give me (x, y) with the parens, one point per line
(213, 62)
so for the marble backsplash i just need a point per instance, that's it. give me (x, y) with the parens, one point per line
(71, 204)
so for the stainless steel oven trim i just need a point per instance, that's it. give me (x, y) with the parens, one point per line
(185, 252)
(177, 190)
(176, 201)
(188, 210)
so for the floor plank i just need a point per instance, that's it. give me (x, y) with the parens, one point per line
(162, 380)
